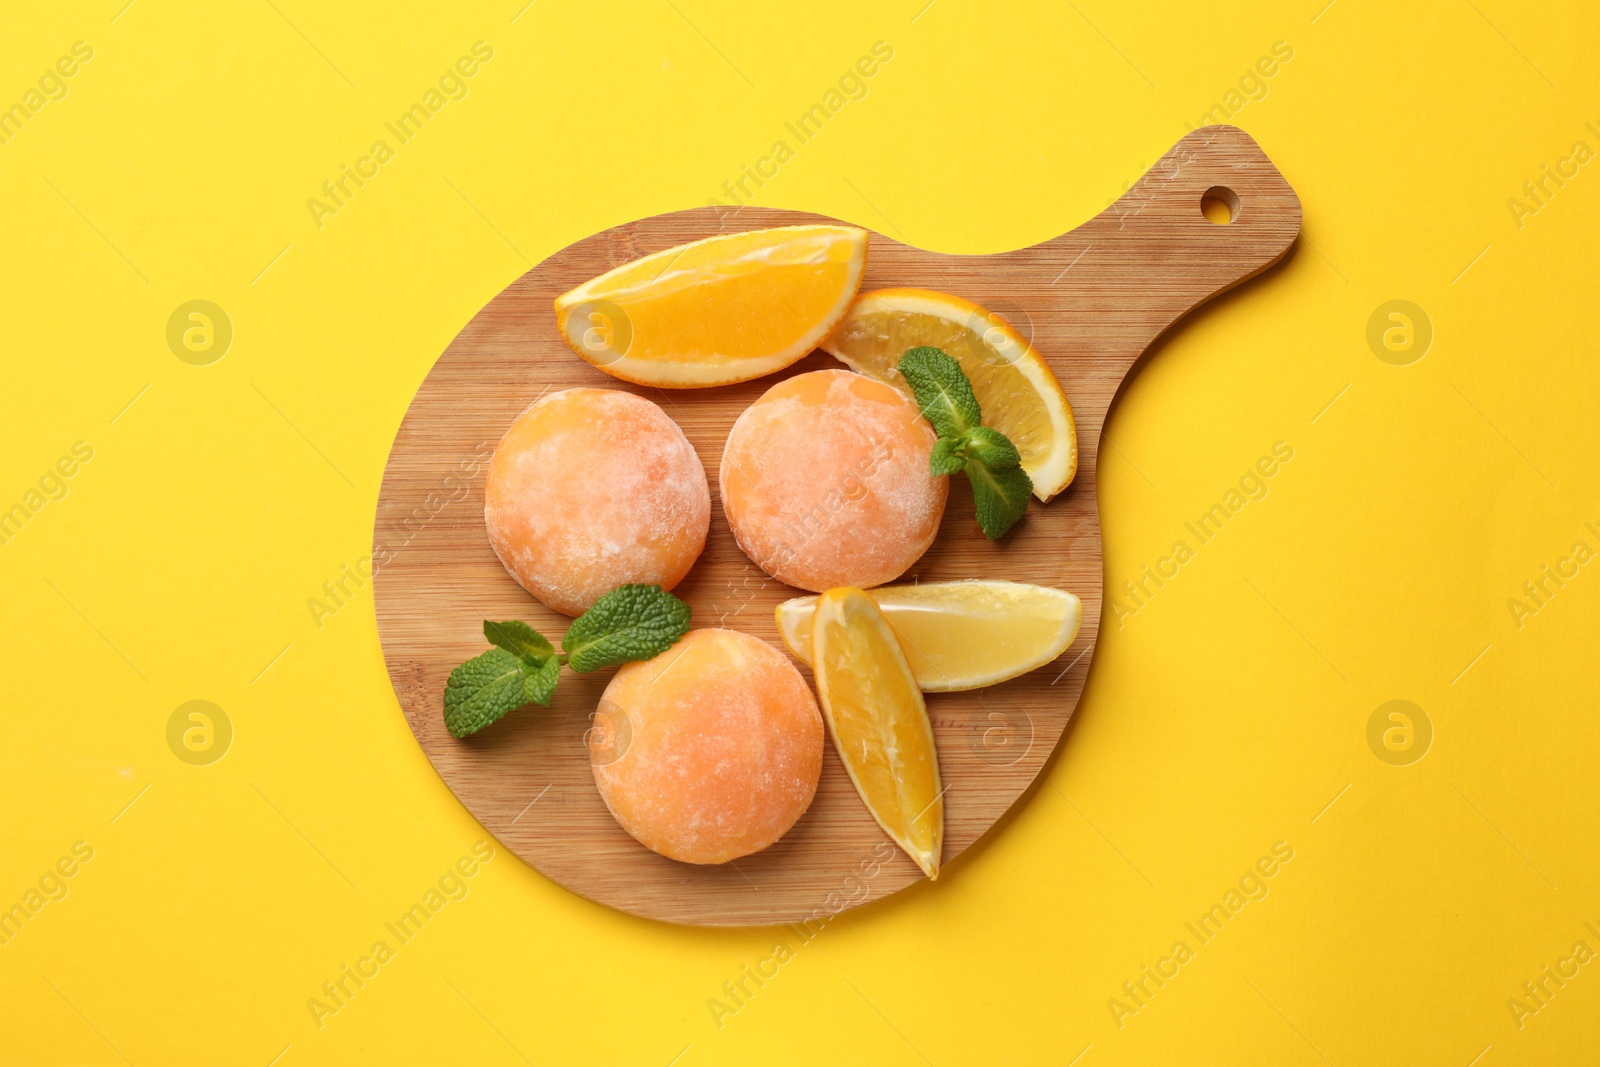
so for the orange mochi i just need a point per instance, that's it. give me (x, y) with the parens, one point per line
(711, 750)
(591, 489)
(826, 481)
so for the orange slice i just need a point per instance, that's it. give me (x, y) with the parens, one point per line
(959, 635)
(1016, 389)
(725, 309)
(879, 722)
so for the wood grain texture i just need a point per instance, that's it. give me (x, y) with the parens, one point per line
(1091, 301)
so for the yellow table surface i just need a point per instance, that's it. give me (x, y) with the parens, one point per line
(1405, 553)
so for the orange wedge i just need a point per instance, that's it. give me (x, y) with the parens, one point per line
(879, 722)
(725, 309)
(1016, 389)
(959, 635)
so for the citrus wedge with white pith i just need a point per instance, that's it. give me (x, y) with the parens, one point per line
(959, 635)
(1016, 389)
(879, 722)
(725, 309)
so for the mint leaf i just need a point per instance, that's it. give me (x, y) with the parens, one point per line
(482, 690)
(539, 683)
(948, 457)
(1000, 495)
(519, 639)
(942, 390)
(1000, 487)
(631, 622)
(991, 448)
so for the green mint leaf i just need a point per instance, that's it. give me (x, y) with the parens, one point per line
(1000, 487)
(1001, 496)
(948, 456)
(991, 448)
(519, 639)
(632, 622)
(539, 683)
(482, 690)
(629, 623)
(942, 390)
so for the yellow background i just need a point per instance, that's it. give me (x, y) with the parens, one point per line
(1223, 717)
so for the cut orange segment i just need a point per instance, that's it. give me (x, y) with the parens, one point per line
(879, 723)
(1016, 389)
(725, 309)
(959, 635)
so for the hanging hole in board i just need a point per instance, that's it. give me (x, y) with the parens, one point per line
(1220, 205)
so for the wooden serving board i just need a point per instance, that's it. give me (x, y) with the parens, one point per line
(1091, 301)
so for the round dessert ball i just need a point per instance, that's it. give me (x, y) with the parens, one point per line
(711, 750)
(826, 481)
(591, 489)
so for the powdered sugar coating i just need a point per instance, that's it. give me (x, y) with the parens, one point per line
(591, 489)
(825, 480)
(716, 747)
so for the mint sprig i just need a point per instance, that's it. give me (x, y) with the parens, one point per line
(1000, 487)
(631, 622)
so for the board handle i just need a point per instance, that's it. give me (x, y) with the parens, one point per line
(1154, 255)
(1165, 212)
